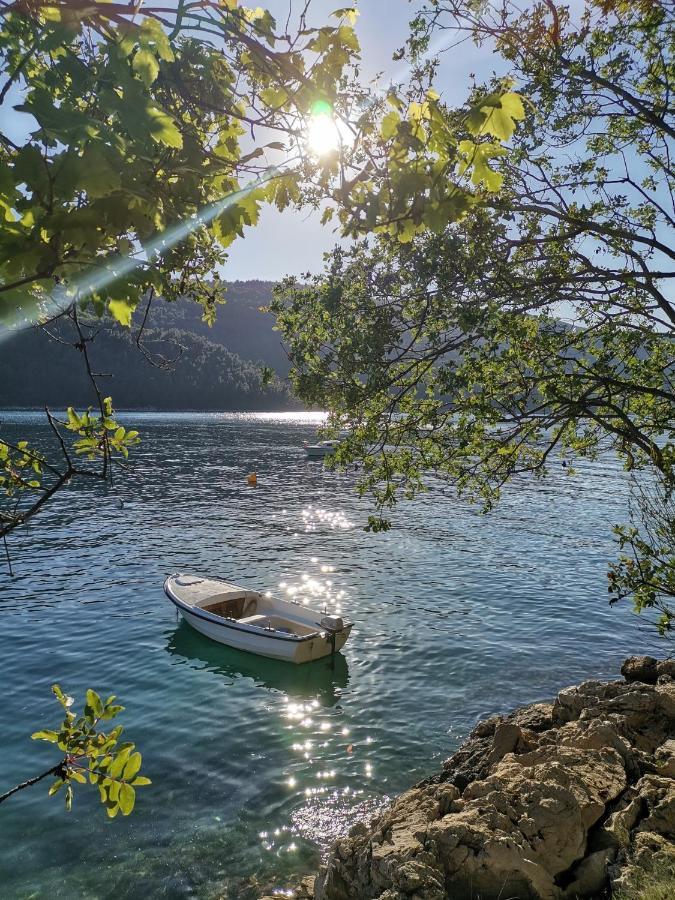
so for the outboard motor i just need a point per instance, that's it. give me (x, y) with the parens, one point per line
(332, 625)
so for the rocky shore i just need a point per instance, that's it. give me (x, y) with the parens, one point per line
(555, 801)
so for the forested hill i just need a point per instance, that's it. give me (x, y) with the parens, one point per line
(240, 325)
(218, 368)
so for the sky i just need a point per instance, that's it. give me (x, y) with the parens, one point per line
(292, 242)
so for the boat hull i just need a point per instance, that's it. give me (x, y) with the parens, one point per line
(272, 643)
(321, 450)
(318, 452)
(271, 647)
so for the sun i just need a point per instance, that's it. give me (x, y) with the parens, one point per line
(323, 136)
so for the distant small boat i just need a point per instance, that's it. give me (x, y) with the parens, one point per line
(256, 621)
(320, 449)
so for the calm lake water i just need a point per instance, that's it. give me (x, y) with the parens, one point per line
(256, 765)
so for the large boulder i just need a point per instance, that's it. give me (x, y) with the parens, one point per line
(640, 668)
(647, 669)
(551, 802)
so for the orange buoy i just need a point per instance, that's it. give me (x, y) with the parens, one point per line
(252, 479)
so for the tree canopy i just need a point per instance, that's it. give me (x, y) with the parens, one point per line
(155, 135)
(539, 326)
(138, 121)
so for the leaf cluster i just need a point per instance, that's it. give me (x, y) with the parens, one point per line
(137, 124)
(645, 569)
(21, 467)
(93, 755)
(99, 435)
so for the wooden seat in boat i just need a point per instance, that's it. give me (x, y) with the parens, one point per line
(260, 621)
(232, 607)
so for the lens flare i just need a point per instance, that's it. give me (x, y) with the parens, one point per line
(36, 308)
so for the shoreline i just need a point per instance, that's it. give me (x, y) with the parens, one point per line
(558, 800)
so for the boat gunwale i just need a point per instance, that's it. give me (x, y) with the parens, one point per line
(232, 623)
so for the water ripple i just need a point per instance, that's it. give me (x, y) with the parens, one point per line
(256, 765)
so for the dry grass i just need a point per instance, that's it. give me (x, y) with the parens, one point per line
(658, 883)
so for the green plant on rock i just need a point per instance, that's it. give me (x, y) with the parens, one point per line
(91, 755)
(655, 881)
(645, 570)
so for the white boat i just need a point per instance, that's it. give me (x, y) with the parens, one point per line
(320, 449)
(256, 621)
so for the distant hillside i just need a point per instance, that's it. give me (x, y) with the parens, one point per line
(240, 325)
(218, 368)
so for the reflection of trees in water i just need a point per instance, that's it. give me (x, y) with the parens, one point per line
(323, 678)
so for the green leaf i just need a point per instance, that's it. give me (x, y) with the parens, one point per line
(163, 128)
(145, 65)
(121, 311)
(74, 423)
(127, 799)
(119, 763)
(51, 736)
(141, 780)
(500, 115)
(350, 13)
(63, 699)
(389, 125)
(477, 157)
(94, 701)
(97, 175)
(153, 33)
(132, 766)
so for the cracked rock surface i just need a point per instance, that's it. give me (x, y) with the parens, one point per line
(555, 801)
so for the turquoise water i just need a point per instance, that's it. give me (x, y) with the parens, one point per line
(256, 765)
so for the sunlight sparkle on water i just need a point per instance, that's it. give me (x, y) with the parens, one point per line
(318, 592)
(313, 518)
(325, 816)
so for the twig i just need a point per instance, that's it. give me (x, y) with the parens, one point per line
(9, 558)
(55, 770)
(160, 361)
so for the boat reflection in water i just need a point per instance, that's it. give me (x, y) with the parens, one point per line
(323, 679)
(323, 781)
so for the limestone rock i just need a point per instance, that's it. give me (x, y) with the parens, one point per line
(647, 669)
(306, 889)
(665, 668)
(665, 759)
(640, 668)
(590, 876)
(552, 802)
